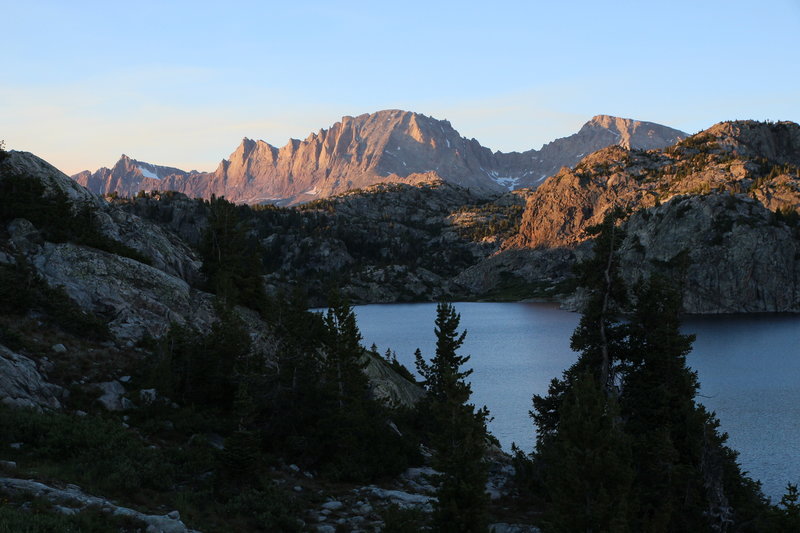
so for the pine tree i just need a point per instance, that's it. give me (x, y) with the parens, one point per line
(588, 475)
(600, 335)
(344, 360)
(459, 440)
(622, 443)
(667, 427)
(230, 259)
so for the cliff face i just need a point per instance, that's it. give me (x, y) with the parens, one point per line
(387, 146)
(729, 252)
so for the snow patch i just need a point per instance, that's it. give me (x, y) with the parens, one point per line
(147, 174)
(509, 182)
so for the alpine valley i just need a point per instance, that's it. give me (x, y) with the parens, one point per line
(159, 370)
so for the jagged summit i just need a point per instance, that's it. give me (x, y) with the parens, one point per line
(391, 145)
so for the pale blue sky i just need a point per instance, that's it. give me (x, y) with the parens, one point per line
(180, 83)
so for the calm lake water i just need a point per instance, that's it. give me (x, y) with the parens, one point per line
(749, 370)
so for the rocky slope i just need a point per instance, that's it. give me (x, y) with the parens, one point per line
(387, 146)
(137, 297)
(723, 204)
(736, 157)
(386, 243)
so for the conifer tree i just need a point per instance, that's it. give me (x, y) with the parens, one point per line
(230, 259)
(344, 360)
(622, 443)
(600, 335)
(459, 439)
(661, 416)
(588, 475)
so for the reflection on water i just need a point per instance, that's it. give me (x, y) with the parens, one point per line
(749, 369)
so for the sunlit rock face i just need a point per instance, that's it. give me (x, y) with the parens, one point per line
(387, 146)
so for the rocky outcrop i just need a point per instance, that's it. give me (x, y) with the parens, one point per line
(728, 252)
(733, 157)
(387, 146)
(22, 385)
(390, 387)
(165, 252)
(72, 500)
(719, 204)
(135, 298)
(519, 274)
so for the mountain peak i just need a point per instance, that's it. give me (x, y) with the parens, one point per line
(389, 145)
(633, 134)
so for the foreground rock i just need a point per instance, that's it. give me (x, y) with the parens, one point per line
(72, 499)
(136, 299)
(22, 385)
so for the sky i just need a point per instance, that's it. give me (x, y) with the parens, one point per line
(181, 83)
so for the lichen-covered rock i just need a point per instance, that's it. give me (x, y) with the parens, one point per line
(22, 385)
(135, 298)
(388, 386)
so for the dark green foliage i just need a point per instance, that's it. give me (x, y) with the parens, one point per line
(21, 291)
(786, 516)
(622, 443)
(104, 458)
(459, 434)
(97, 453)
(3, 153)
(55, 217)
(343, 368)
(600, 335)
(588, 475)
(42, 519)
(668, 428)
(262, 508)
(346, 416)
(231, 259)
(202, 369)
(401, 520)
(312, 405)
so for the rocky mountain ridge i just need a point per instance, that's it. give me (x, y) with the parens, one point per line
(744, 157)
(718, 212)
(387, 146)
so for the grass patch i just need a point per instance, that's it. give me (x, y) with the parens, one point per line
(512, 288)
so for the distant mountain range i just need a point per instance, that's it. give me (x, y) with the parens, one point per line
(387, 146)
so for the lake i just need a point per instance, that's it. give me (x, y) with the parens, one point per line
(749, 370)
